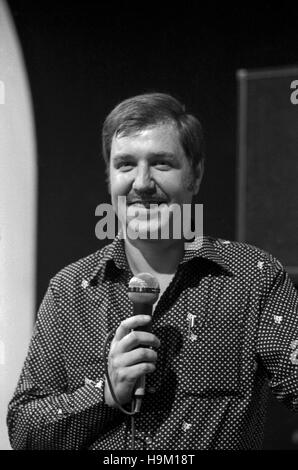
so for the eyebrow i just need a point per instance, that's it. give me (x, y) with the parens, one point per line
(125, 156)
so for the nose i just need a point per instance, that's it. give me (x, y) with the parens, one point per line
(143, 181)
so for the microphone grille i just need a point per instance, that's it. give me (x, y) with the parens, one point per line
(144, 280)
(143, 287)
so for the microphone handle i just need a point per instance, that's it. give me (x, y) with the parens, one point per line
(141, 309)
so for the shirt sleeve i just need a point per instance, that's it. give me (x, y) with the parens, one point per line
(41, 414)
(278, 334)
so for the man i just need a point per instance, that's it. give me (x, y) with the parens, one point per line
(224, 327)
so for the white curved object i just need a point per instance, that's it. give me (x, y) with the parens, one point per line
(17, 214)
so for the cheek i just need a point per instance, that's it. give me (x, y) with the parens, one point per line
(119, 185)
(177, 186)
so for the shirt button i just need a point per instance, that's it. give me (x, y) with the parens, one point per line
(148, 440)
(151, 389)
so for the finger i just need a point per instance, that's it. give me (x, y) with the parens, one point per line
(134, 357)
(131, 373)
(130, 323)
(135, 339)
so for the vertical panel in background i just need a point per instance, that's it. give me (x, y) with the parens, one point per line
(268, 192)
(17, 214)
(268, 163)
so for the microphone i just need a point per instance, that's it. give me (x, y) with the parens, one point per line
(143, 291)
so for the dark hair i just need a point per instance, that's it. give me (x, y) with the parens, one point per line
(150, 109)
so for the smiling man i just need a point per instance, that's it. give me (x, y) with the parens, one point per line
(149, 167)
(224, 329)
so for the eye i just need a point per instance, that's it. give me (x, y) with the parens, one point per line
(124, 166)
(162, 165)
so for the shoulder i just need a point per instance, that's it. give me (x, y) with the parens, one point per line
(244, 258)
(81, 271)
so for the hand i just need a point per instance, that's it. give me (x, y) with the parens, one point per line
(128, 361)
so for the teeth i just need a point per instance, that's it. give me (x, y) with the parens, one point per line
(147, 205)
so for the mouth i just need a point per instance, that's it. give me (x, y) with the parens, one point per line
(146, 203)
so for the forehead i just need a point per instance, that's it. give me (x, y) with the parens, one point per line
(161, 138)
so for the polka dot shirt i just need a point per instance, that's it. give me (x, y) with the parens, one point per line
(228, 326)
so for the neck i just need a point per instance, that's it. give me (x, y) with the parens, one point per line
(154, 256)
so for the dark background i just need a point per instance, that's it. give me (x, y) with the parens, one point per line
(83, 58)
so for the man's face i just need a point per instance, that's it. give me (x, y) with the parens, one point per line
(150, 167)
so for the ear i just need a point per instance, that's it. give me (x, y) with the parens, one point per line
(198, 176)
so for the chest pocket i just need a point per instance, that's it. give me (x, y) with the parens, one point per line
(211, 358)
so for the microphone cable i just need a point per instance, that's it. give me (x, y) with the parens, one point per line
(135, 404)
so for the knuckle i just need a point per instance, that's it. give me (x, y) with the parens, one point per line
(143, 355)
(154, 355)
(120, 375)
(149, 354)
(134, 336)
(149, 367)
(115, 362)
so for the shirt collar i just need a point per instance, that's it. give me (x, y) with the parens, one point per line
(200, 247)
(204, 247)
(113, 252)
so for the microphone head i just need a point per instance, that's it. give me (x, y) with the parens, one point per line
(143, 288)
